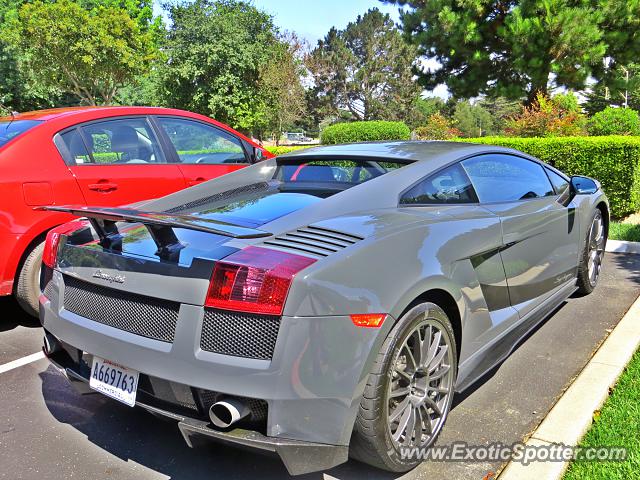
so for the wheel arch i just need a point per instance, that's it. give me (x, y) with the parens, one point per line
(604, 208)
(445, 300)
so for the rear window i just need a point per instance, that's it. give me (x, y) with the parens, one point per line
(10, 129)
(339, 172)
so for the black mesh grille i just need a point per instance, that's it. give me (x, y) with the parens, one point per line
(219, 196)
(145, 316)
(46, 281)
(239, 334)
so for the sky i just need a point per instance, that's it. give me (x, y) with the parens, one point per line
(312, 19)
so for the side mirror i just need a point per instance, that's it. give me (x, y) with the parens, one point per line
(583, 185)
(258, 155)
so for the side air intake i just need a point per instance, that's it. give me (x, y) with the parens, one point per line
(318, 241)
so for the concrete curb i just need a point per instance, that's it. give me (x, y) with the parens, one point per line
(571, 416)
(621, 246)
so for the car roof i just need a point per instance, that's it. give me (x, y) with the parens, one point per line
(54, 113)
(401, 151)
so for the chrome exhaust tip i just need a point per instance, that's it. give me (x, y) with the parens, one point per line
(51, 344)
(227, 411)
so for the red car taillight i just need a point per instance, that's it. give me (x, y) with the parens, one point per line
(53, 239)
(254, 280)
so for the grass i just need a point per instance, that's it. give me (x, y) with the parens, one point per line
(616, 424)
(624, 231)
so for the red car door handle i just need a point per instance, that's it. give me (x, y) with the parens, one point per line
(196, 181)
(103, 187)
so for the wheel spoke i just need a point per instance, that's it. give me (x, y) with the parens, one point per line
(401, 407)
(434, 406)
(433, 348)
(438, 358)
(440, 373)
(399, 392)
(438, 389)
(403, 374)
(411, 357)
(426, 344)
(404, 420)
(411, 425)
(426, 418)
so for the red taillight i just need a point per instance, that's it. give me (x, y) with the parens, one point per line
(53, 239)
(254, 280)
(373, 320)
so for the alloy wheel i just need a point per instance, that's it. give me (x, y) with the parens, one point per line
(421, 385)
(596, 249)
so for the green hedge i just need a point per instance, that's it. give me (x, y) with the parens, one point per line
(284, 149)
(613, 160)
(364, 132)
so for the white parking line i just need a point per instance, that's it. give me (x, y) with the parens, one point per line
(34, 357)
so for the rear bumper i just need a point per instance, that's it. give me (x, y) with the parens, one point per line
(312, 384)
(298, 457)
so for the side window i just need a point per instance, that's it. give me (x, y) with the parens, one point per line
(122, 141)
(196, 142)
(558, 182)
(507, 178)
(77, 153)
(450, 185)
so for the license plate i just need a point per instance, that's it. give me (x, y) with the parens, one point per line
(113, 380)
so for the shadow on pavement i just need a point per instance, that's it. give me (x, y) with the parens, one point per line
(629, 262)
(461, 396)
(132, 434)
(12, 316)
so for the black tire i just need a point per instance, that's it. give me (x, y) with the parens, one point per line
(27, 289)
(372, 441)
(587, 281)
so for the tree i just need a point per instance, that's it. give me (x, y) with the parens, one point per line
(501, 110)
(437, 127)
(281, 91)
(548, 117)
(620, 84)
(615, 121)
(215, 51)
(366, 69)
(517, 48)
(89, 53)
(472, 120)
(15, 92)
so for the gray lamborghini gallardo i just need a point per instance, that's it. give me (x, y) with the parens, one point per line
(324, 303)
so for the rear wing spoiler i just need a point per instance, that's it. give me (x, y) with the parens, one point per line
(160, 226)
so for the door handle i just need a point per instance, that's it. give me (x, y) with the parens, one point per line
(103, 187)
(196, 181)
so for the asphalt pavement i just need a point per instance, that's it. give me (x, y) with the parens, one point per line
(47, 431)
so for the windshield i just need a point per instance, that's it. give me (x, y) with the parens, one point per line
(331, 172)
(12, 128)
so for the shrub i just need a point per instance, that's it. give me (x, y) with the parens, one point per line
(282, 150)
(548, 117)
(613, 160)
(615, 121)
(438, 127)
(364, 132)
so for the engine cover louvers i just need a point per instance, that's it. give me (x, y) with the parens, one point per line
(313, 240)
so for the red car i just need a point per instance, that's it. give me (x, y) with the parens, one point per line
(105, 156)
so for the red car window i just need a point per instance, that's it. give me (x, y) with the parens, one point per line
(197, 143)
(121, 141)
